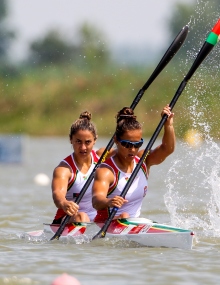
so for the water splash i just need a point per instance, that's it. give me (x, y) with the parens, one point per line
(193, 181)
(41, 238)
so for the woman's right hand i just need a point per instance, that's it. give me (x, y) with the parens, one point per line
(70, 208)
(117, 201)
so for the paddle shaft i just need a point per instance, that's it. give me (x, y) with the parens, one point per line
(171, 51)
(169, 54)
(205, 50)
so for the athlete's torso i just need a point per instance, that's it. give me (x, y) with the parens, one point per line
(136, 192)
(76, 183)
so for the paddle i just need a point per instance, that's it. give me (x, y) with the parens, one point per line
(206, 48)
(169, 54)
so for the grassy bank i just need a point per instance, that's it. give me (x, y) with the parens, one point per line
(45, 101)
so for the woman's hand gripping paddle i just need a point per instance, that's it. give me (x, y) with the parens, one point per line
(210, 42)
(169, 54)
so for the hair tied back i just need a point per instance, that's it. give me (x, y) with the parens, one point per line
(85, 116)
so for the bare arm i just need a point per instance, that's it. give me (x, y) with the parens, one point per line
(104, 177)
(160, 153)
(61, 176)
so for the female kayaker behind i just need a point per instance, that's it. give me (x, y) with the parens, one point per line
(70, 175)
(112, 175)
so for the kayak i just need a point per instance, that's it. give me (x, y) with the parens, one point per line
(142, 231)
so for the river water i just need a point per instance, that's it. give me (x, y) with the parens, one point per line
(183, 191)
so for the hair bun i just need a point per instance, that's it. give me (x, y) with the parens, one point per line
(125, 113)
(86, 115)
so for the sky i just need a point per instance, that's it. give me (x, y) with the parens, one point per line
(133, 23)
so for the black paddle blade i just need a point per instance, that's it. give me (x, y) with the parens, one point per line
(169, 54)
(171, 51)
(100, 234)
(61, 228)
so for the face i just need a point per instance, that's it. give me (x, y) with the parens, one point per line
(83, 142)
(130, 136)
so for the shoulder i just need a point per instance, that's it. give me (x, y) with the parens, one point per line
(95, 156)
(69, 159)
(100, 151)
(104, 171)
(109, 153)
(105, 167)
(62, 168)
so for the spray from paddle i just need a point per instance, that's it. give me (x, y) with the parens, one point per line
(185, 199)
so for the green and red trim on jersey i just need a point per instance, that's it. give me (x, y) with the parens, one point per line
(102, 215)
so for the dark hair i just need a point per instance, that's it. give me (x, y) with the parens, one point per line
(126, 121)
(83, 123)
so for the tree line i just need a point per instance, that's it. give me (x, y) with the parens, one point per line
(91, 48)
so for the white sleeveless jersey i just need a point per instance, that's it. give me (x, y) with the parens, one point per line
(76, 183)
(136, 192)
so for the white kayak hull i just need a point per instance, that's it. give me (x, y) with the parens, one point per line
(140, 230)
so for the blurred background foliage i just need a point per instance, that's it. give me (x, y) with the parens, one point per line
(62, 77)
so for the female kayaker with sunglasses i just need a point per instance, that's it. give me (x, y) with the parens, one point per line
(112, 175)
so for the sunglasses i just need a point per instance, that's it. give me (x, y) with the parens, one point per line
(129, 144)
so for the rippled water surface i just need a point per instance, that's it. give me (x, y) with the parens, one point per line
(183, 191)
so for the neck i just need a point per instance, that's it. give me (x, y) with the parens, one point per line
(124, 164)
(83, 163)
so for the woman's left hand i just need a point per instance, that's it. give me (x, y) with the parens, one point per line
(166, 110)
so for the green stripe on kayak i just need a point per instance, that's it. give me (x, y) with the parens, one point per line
(155, 226)
(126, 222)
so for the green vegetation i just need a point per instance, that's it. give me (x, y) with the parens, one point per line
(59, 79)
(46, 101)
